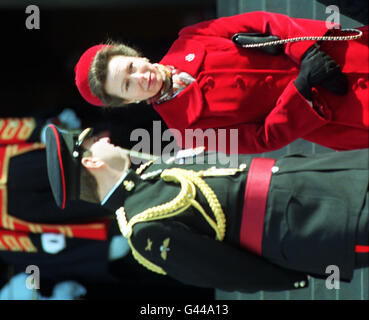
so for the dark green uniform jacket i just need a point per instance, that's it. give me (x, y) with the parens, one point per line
(313, 206)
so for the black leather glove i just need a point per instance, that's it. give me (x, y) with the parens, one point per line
(317, 68)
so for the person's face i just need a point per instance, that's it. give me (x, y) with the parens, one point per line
(103, 153)
(132, 78)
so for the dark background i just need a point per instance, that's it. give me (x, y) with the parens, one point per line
(37, 66)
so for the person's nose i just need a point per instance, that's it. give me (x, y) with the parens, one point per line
(140, 79)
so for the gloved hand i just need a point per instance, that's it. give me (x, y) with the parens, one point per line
(317, 68)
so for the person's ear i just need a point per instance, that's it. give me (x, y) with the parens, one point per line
(92, 163)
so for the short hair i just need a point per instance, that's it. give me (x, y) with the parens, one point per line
(88, 183)
(99, 69)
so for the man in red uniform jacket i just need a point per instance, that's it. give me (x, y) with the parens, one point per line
(271, 99)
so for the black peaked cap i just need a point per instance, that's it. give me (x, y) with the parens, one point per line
(63, 156)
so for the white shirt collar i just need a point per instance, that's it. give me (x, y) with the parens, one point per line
(114, 188)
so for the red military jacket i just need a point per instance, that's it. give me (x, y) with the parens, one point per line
(15, 233)
(252, 91)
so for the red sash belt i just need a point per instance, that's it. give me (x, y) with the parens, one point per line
(257, 187)
(361, 249)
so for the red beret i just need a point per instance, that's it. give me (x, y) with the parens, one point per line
(81, 70)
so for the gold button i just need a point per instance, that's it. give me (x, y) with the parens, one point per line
(129, 185)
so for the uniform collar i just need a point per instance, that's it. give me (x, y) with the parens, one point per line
(116, 197)
(114, 188)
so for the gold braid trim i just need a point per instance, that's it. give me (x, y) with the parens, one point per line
(177, 174)
(144, 166)
(186, 197)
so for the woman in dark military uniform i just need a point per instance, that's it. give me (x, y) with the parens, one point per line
(264, 224)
